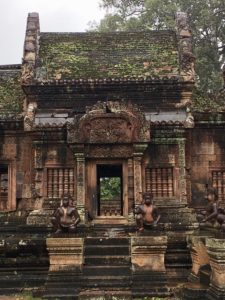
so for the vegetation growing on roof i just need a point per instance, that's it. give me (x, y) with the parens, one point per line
(214, 102)
(95, 55)
(11, 95)
(206, 19)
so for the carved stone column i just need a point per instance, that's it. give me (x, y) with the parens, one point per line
(138, 154)
(182, 170)
(130, 168)
(216, 252)
(80, 161)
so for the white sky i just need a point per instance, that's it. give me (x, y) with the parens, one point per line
(55, 15)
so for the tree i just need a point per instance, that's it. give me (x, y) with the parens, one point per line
(110, 188)
(207, 21)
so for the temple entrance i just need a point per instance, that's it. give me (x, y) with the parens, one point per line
(109, 190)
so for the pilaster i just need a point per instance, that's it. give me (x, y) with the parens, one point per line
(138, 154)
(80, 163)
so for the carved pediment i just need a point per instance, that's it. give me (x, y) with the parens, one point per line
(110, 122)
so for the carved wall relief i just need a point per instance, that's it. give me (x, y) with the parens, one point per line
(104, 151)
(110, 122)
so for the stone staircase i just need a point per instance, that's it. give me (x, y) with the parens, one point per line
(107, 267)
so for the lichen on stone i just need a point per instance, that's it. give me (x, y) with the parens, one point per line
(11, 94)
(100, 55)
(208, 102)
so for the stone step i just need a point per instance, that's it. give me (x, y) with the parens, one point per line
(107, 241)
(95, 294)
(107, 281)
(60, 293)
(194, 290)
(106, 270)
(152, 292)
(142, 280)
(107, 260)
(106, 250)
(15, 281)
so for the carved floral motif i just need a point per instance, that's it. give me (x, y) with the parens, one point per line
(109, 151)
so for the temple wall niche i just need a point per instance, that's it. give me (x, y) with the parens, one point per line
(207, 162)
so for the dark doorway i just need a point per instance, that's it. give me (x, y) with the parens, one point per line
(110, 190)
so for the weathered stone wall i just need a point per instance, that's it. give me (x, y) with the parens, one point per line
(16, 155)
(207, 154)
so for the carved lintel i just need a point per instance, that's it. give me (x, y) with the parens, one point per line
(109, 151)
(110, 122)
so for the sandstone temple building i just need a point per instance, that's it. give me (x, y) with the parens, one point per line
(83, 108)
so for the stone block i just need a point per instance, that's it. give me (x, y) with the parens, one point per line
(148, 253)
(216, 251)
(65, 253)
(40, 217)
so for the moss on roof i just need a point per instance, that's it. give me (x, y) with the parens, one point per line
(11, 94)
(206, 102)
(103, 55)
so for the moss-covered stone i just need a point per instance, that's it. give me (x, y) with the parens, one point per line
(99, 55)
(11, 94)
(204, 102)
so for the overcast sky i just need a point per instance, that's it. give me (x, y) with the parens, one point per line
(55, 15)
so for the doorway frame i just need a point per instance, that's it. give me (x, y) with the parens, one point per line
(91, 189)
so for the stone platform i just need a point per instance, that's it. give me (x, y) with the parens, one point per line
(119, 267)
(96, 259)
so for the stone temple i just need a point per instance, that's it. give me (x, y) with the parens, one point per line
(106, 118)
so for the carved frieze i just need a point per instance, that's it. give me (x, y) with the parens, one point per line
(116, 151)
(109, 122)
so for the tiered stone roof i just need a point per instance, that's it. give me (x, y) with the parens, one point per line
(114, 56)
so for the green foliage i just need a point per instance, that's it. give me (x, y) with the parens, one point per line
(206, 18)
(110, 188)
(213, 102)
